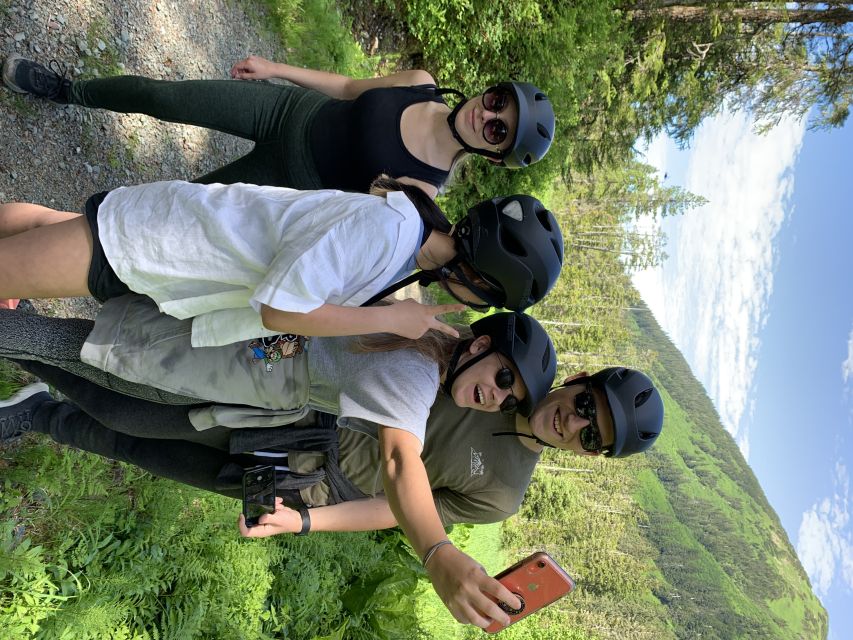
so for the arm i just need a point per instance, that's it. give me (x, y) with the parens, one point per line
(355, 515)
(406, 318)
(457, 578)
(332, 84)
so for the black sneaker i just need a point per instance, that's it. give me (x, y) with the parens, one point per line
(25, 76)
(16, 412)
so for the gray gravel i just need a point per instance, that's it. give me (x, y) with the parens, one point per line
(58, 156)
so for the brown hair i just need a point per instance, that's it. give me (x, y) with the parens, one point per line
(434, 345)
(429, 211)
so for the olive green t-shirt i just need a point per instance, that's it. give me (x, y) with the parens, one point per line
(476, 477)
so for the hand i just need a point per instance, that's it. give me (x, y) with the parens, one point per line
(412, 319)
(462, 585)
(253, 68)
(282, 520)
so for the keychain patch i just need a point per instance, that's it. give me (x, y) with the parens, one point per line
(273, 349)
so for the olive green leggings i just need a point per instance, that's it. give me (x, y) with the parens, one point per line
(276, 117)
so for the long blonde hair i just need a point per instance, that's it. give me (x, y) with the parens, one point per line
(434, 345)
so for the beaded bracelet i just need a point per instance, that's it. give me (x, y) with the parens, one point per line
(431, 551)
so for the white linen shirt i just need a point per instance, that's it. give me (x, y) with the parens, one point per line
(216, 253)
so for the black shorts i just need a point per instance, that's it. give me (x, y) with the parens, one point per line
(103, 281)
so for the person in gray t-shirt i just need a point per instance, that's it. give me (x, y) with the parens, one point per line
(508, 364)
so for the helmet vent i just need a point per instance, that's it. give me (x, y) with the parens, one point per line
(528, 159)
(511, 243)
(544, 219)
(641, 398)
(543, 131)
(540, 96)
(546, 359)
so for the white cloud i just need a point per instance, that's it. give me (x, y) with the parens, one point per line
(847, 365)
(712, 294)
(825, 539)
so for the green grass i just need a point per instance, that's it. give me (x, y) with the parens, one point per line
(317, 35)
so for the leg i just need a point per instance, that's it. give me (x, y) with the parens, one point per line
(126, 415)
(186, 462)
(250, 110)
(57, 342)
(19, 216)
(46, 262)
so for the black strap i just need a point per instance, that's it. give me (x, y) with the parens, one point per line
(423, 278)
(306, 521)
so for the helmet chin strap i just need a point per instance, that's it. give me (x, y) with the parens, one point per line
(453, 371)
(451, 122)
(523, 435)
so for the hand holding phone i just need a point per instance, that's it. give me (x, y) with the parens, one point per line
(258, 493)
(537, 581)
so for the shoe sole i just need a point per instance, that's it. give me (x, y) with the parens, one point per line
(8, 73)
(23, 394)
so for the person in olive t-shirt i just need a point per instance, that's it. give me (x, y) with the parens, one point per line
(479, 464)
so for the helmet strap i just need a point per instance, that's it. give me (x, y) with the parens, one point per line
(523, 435)
(454, 371)
(423, 278)
(452, 267)
(451, 122)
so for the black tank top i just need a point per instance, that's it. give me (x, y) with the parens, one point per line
(353, 141)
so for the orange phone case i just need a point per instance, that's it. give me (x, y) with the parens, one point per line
(538, 580)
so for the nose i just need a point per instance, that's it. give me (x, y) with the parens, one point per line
(486, 115)
(500, 395)
(576, 423)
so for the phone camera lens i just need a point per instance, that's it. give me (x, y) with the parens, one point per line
(541, 564)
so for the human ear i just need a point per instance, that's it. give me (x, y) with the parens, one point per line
(480, 344)
(569, 379)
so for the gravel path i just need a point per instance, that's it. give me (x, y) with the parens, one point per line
(58, 156)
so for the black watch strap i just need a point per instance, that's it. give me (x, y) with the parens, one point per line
(306, 521)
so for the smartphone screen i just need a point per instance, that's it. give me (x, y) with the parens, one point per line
(537, 581)
(258, 493)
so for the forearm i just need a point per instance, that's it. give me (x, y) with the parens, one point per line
(328, 320)
(332, 84)
(354, 515)
(410, 497)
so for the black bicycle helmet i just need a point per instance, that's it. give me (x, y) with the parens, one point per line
(636, 407)
(535, 131)
(515, 244)
(521, 339)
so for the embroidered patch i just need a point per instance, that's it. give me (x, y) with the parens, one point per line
(477, 466)
(272, 349)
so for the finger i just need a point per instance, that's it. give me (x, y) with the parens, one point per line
(441, 309)
(279, 501)
(499, 591)
(478, 619)
(245, 531)
(445, 328)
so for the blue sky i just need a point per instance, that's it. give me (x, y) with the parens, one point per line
(757, 293)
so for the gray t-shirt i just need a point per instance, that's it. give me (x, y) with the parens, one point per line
(136, 342)
(476, 477)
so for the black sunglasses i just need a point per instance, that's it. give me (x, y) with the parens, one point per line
(504, 379)
(590, 435)
(495, 99)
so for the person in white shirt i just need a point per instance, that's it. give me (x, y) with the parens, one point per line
(247, 261)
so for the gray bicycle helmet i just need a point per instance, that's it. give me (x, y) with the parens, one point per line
(523, 340)
(535, 131)
(515, 244)
(636, 407)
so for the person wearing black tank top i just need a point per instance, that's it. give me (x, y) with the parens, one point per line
(325, 130)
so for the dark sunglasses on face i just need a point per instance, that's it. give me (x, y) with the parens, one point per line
(495, 100)
(504, 379)
(590, 435)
